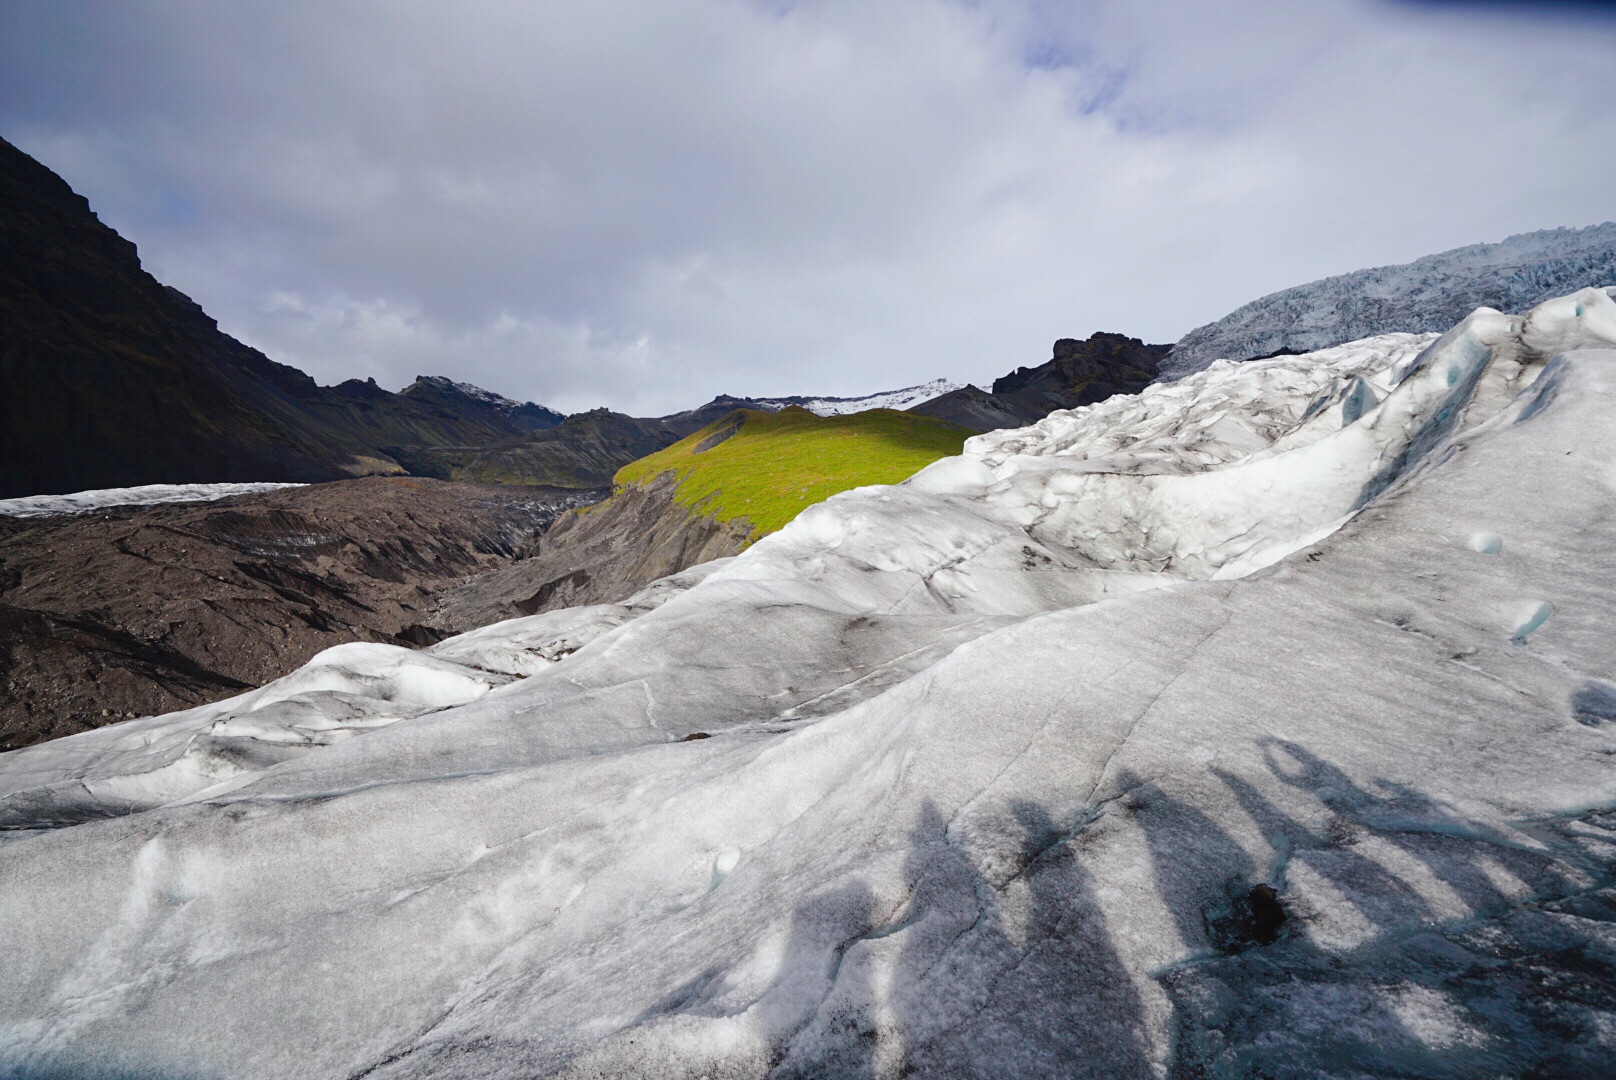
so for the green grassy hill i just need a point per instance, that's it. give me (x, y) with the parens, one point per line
(768, 467)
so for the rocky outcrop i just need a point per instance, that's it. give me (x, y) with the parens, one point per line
(1078, 373)
(142, 611)
(600, 554)
(1081, 373)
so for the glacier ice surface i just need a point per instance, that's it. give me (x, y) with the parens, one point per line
(1187, 732)
(88, 502)
(1431, 293)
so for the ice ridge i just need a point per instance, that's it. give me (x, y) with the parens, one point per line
(1429, 294)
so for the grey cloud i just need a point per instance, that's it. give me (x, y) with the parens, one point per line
(644, 204)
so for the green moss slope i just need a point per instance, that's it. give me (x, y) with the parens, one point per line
(776, 464)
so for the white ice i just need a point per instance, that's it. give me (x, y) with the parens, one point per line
(1430, 293)
(995, 762)
(87, 502)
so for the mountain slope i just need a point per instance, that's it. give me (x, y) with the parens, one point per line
(1431, 293)
(769, 467)
(110, 379)
(583, 451)
(599, 556)
(974, 408)
(1259, 724)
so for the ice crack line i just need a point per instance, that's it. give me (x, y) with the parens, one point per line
(1050, 717)
(650, 704)
(1111, 758)
(880, 669)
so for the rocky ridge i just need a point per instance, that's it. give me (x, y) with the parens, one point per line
(110, 379)
(522, 416)
(1078, 373)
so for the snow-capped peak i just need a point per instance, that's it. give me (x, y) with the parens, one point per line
(524, 416)
(906, 398)
(443, 383)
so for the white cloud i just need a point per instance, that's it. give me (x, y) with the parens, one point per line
(643, 204)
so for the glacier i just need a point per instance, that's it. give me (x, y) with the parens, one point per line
(1428, 294)
(905, 398)
(98, 499)
(1262, 723)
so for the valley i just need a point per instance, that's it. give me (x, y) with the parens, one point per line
(135, 611)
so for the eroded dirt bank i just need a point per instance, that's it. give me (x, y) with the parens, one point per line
(141, 611)
(600, 554)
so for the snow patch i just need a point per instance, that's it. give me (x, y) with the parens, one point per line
(906, 398)
(89, 502)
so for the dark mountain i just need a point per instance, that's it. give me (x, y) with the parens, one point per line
(109, 378)
(1082, 373)
(975, 408)
(583, 451)
(463, 399)
(693, 420)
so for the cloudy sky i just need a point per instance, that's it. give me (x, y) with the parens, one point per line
(641, 203)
